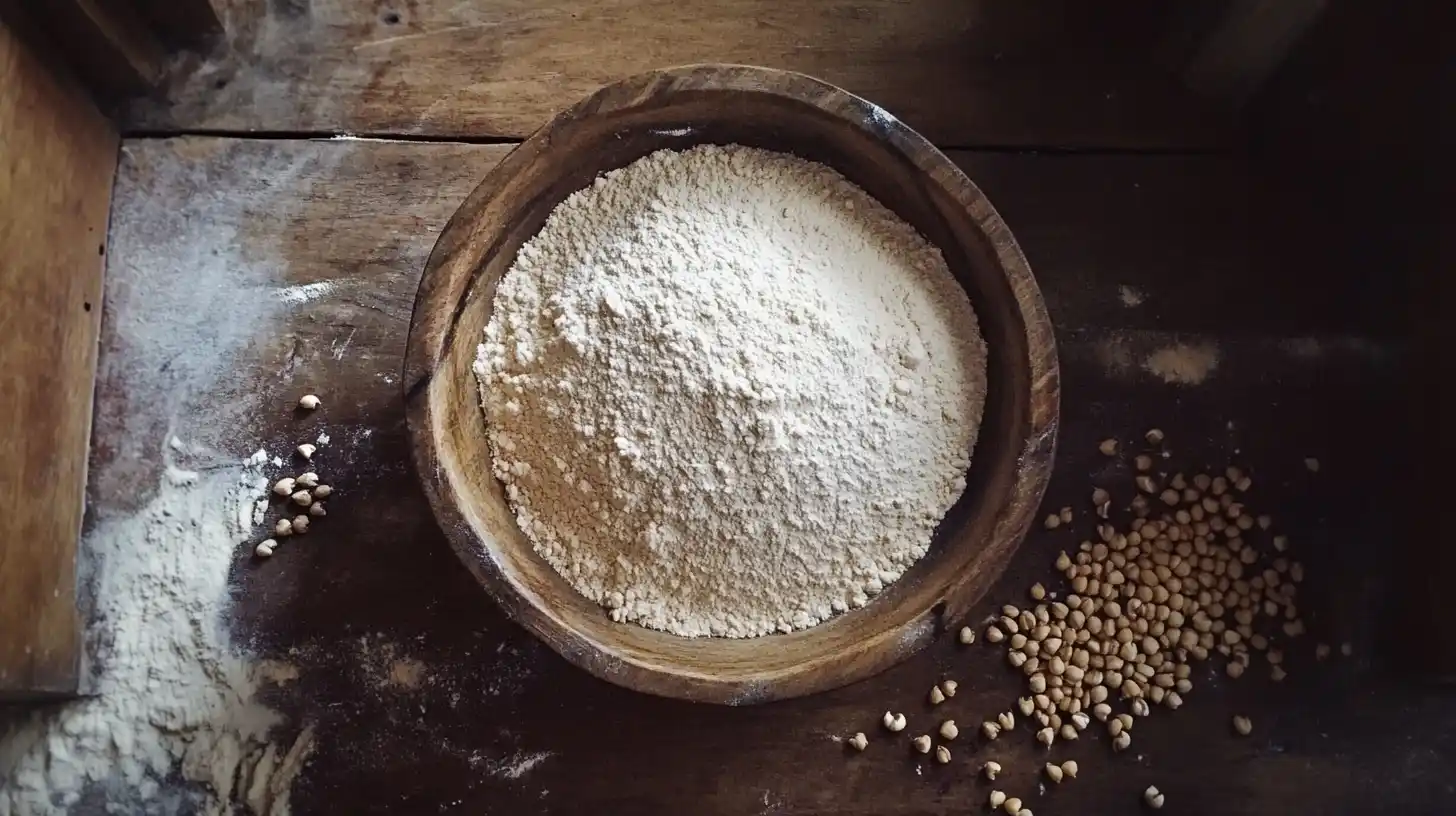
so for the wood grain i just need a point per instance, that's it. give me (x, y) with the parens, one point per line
(1249, 43)
(57, 160)
(962, 72)
(185, 23)
(105, 43)
(776, 110)
(1321, 121)
(499, 723)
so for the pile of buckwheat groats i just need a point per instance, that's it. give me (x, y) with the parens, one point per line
(1189, 572)
(304, 491)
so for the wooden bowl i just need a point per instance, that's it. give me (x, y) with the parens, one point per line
(776, 110)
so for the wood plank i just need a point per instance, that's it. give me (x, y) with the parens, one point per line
(105, 43)
(963, 72)
(1093, 225)
(1248, 45)
(1336, 96)
(304, 280)
(1326, 120)
(57, 161)
(185, 23)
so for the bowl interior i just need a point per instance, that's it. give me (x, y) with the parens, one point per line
(613, 129)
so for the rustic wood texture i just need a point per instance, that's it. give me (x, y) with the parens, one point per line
(1248, 45)
(184, 23)
(1336, 96)
(1325, 120)
(57, 156)
(106, 43)
(776, 110)
(962, 72)
(304, 279)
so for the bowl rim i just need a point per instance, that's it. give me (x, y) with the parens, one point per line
(427, 344)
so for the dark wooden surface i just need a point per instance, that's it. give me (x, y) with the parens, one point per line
(57, 154)
(963, 72)
(1324, 122)
(106, 43)
(322, 243)
(184, 23)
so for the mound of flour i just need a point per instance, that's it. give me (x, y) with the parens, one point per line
(176, 723)
(729, 393)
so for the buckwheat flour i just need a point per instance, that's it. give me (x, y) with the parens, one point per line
(729, 393)
(175, 724)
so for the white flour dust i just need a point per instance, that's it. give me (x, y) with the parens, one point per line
(170, 694)
(1182, 363)
(517, 766)
(729, 393)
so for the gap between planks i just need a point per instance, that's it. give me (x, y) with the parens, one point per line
(148, 134)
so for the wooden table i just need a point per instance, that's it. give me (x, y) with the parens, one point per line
(288, 265)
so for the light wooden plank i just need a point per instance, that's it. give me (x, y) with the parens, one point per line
(57, 161)
(963, 72)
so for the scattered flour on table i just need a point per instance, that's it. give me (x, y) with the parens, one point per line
(1183, 364)
(1114, 353)
(729, 393)
(278, 672)
(516, 766)
(305, 292)
(407, 673)
(1302, 348)
(386, 668)
(171, 696)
